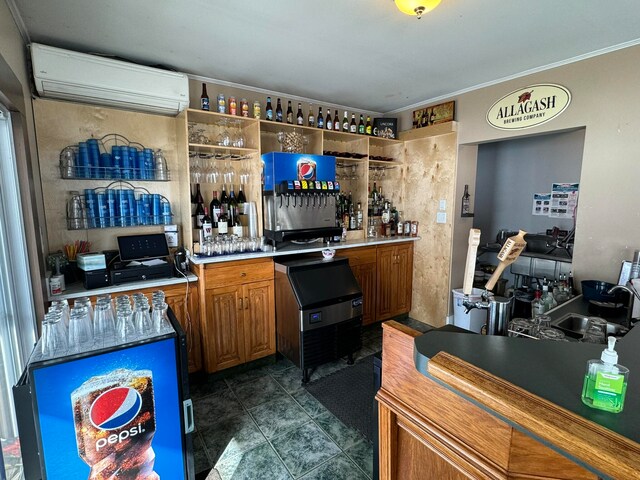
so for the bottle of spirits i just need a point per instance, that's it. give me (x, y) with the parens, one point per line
(269, 110)
(320, 118)
(289, 113)
(537, 305)
(328, 122)
(214, 209)
(466, 208)
(353, 128)
(345, 122)
(279, 111)
(361, 125)
(299, 115)
(359, 217)
(367, 128)
(336, 122)
(353, 222)
(311, 121)
(204, 98)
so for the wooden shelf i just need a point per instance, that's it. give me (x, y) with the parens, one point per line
(386, 163)
(335, 136)
(383, 142)
(267, 126)
(203, 116)
(196, 147)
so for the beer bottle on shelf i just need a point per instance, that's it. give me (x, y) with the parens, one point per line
(299, 115)
(207, 224)
(353, 128)
(336, 122)
(204, 98)
(214, 209)
(289, 113)
(320, 118)
(279, 112)
(367, 128)
(345, 122)
(361, 125)
(328, 122)
(268, 110)
(311, 121)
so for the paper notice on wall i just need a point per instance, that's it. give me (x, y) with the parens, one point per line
(541, 204)
(564, 200)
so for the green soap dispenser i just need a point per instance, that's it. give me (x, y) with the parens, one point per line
(605, 383)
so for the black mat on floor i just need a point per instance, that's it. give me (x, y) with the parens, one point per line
(349, 394)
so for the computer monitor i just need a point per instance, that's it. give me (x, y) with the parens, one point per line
(142, 247)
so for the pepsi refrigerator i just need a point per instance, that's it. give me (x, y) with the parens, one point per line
(121, 411)
(299, 195)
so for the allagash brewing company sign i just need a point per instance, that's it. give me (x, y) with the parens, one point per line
(528, 107)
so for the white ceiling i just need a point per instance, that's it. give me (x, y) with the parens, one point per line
(360, 53)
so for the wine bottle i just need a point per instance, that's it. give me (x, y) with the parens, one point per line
(367, 128)
(279, 112)
(242, 199)
(466, 203)
(299, 115)
(223, 223)
(345, 122)
(207, 225)
(289, 113)
(268, 110)
(214, 209)
(204, 98)
(233, 209)
(336, 122)
(320, 118)
(328, 122)
(311, 121)
(199, 211)
(361, 125)
(353, 128)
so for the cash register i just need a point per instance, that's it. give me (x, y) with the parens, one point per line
(142, 257)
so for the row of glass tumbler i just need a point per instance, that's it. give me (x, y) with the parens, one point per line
(124, 162)
(117, 208)
(68, 331)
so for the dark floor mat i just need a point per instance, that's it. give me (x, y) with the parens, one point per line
(349, 395)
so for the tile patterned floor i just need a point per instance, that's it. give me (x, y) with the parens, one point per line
(263, 424)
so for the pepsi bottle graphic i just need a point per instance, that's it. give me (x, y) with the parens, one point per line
(114, 416)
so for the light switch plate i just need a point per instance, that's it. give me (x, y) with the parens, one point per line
(441, 217)
(442, 205)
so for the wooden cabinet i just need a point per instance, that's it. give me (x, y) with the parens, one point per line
(363, 265)
(238, 307)
(394, 280)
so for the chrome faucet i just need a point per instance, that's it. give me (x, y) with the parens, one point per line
(498, 312)
(633, 293)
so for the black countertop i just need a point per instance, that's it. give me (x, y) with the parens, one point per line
(551, 370)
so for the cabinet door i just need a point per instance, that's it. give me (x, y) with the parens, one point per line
(224, 312)
(384, 283)
(187, 314)
(366, 276)
(259, 320)
(403, 278)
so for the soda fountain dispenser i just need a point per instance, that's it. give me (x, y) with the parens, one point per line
(299, 196)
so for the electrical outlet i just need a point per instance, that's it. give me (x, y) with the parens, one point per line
(441, 217)
(442, 205)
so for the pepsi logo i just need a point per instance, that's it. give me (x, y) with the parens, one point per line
(115, 408)
(307, 171)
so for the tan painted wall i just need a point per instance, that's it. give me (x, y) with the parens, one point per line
(605, 101)
(59, 124)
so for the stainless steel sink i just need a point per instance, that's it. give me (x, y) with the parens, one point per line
(574, 325)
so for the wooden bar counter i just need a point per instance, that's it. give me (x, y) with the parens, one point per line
(456, 406)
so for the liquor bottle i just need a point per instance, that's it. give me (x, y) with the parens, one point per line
(367, 128)
(311, 121)
(374, 195)
(353, 221)
(204, 98)
(214, 209)
(359, 216)
(353, 128)
(279, 112)
(289, 113)
(336, 122)
(345, 122)
(268, 110)
(400, 225)
(465, 201)
(207, 225)
(223, 223)
(537, 305)
(299, 115)
(361, 125)
(320, 118)
(328, 122)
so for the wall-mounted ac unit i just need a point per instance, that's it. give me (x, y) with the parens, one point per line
(87, 78)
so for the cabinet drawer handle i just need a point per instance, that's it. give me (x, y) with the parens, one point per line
(246, 303)
(241, 306)
(243, 274)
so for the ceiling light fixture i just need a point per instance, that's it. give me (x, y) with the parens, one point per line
(416, 7)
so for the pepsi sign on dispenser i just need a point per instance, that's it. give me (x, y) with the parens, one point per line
(298, 205)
